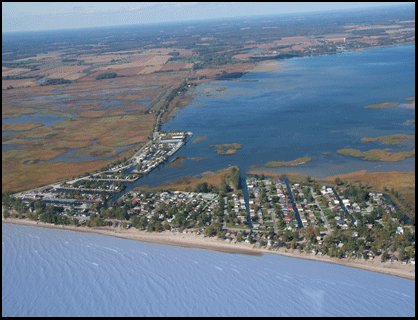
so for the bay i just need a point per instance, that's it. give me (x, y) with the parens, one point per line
(311, 106)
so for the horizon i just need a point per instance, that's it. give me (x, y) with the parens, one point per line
(18, 18)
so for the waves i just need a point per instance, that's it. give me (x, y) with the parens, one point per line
(62, 273)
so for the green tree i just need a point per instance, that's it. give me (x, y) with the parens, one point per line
(293, 244)
(166, 226)
(402, 254)
(250, 239)
(6, 214)
(385, 256)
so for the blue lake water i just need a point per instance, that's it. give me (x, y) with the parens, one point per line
(62, 273)
(312, 106)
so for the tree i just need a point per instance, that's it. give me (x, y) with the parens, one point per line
(385, 256)
(293, 244)
(6, 213)
(374, 250)
(166, 225)
(402, 254)
(135, 221)
(411, 252)
(250, 239)
(239, 237)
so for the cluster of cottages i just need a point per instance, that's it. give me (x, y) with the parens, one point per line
(200, 202)
(335, 206)
(309, 212)
(277, 192)
(273, 189)
(239, 208)
(163, 146)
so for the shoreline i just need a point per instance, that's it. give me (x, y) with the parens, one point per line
(189, 240)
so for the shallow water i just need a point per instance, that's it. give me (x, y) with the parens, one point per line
(313, 106)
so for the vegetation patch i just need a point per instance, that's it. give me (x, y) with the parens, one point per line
(108, 75)
(177, 162)
(20, 126)
(199, 139)
(14, 112)
(199, 159)
(255, 166)
(382, 105)
(410, 99)
(327, 153)
(211, 181)
(378, 155)
(52, 82)
(288, 163)
(227, 148)
(390, 140)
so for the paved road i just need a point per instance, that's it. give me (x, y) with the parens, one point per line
(322, 212)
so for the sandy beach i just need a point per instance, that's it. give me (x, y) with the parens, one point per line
(192, 240)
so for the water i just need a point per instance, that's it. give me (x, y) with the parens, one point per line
(314, 106)
(62, 273)
(44, 118)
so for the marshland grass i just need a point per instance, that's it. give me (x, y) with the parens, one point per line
(377, 154)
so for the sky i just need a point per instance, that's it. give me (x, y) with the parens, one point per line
(36, 16)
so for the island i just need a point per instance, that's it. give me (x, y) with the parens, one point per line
(382, 105)
(391, 139)
(227, 148)
(199, 139)
(377, 154)
(288, 163)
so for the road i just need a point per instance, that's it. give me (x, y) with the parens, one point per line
(322, 212)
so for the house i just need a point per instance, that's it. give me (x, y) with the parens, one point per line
(399, 230)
